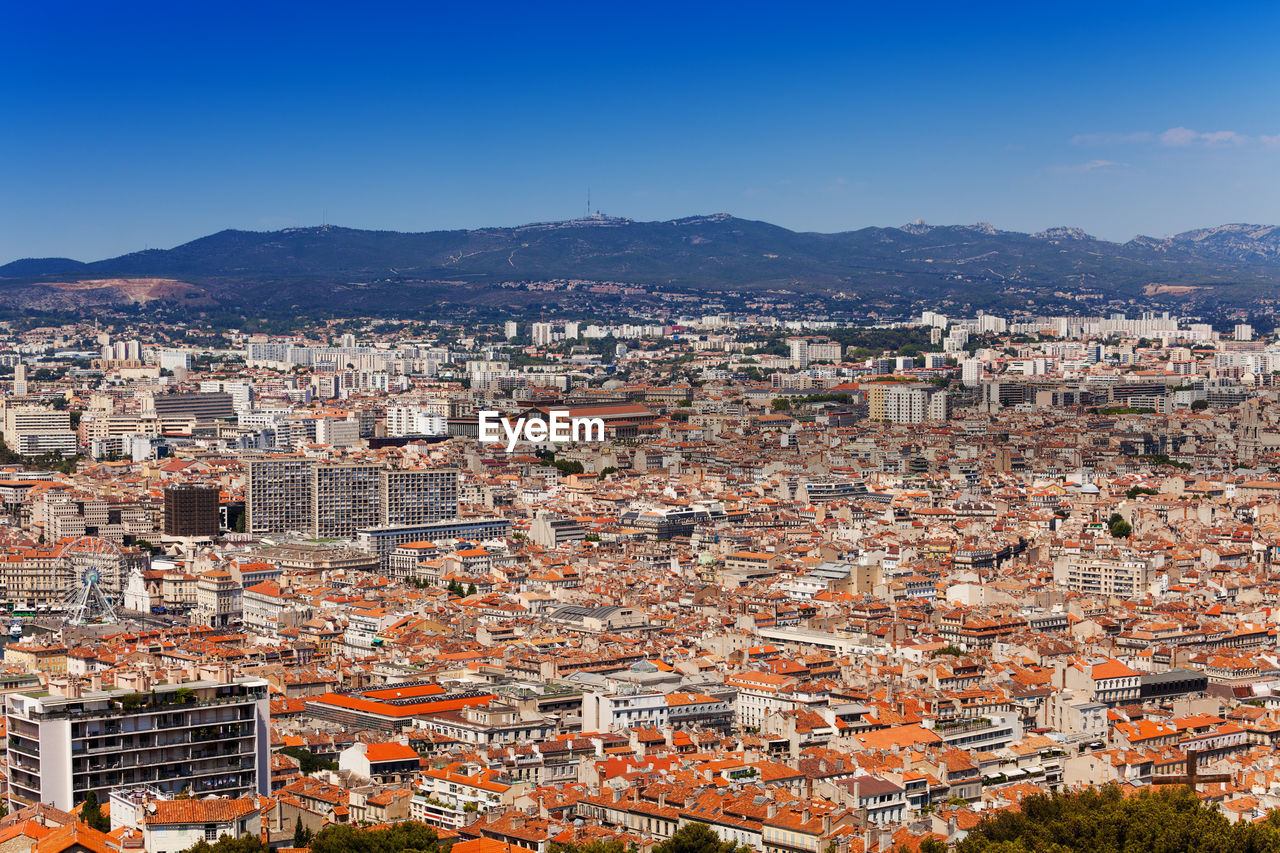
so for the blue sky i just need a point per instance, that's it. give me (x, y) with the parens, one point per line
(132, 124)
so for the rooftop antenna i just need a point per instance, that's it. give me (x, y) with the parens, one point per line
(324, 217)
(588, 201)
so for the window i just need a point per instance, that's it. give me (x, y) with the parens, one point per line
(210, 832)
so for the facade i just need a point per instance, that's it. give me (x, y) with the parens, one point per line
(382, 540)
(344, 498)
(418, 496)
(35, 430)
(191, 509)
(195, 406)
(607, 712)
(335, 500)
(279, 494)
(447, 796)
(201, 737)
(1103, 575)
(219, 599)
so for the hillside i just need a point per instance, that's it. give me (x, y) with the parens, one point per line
(341, 269)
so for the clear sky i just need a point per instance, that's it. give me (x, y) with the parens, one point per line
(129, 124)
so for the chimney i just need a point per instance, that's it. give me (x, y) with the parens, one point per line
(826, 824)
(662, 800)
(771, 810)
(806, 815)
(95, 681)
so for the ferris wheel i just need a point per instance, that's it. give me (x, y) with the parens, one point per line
(96, 569)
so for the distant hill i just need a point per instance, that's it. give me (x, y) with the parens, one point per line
(337, 269)
(40, 266)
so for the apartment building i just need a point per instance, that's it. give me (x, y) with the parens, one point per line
(418, 496)
(418, 420)
(208, 737)
(219, 599)
(278, 498)
(447, 796)
(344, 498)
(759, 695)
(335, 499)
(33, 430)
(1103, 575)
(607, 712)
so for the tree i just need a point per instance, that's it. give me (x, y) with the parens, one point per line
(781, 404)
(598, 846)
(227, 844)
(399, 837)
(569, 466)
(301, 837)
(1199, 405)
(1118, 526)
(308, 761)
(91, 813)
(696, 838)
(471, 589)
(1106, 821)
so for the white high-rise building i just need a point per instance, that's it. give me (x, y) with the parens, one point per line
(337, 432)
(511, 329)
(415, 420)
(543, 334)
(971, 371)
(19, 380)
(799, 352)
(175, 360)
(571, 331)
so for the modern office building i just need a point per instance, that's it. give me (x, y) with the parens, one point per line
(191, 509)
(198, 405)
(201, 738)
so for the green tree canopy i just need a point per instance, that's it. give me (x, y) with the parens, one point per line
(227, 844)
(91, 813)
(696, 838)
(309, 762)
(396, 838)
(1171, 820)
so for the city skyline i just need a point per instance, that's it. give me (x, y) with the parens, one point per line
(150, 127)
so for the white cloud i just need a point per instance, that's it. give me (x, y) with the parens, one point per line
(1225, 137)
(1095, 139)
(1178, 137)
(1092, 166)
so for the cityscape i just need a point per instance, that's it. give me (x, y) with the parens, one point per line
(541, 428)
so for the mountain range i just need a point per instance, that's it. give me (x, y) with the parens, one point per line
(334, 270)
